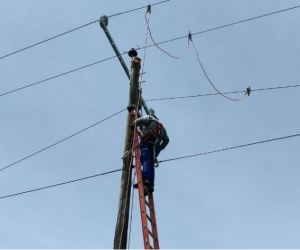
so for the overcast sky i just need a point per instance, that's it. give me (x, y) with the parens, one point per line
(247, 197)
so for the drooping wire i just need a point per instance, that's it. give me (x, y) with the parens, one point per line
(229, 98)
(229, 148)
(54, 144)
(72, 30)
(167, 41)
(59, 184)
(156, 44)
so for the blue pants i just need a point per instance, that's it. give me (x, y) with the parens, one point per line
(147, 161)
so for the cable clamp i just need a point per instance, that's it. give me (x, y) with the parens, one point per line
(149, 9)
(248, 91)
(190, 36)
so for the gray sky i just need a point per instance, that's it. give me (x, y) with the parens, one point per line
(242, 198)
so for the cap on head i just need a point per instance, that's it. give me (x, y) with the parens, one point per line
(151, 111)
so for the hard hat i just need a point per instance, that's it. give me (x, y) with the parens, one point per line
(151, 111)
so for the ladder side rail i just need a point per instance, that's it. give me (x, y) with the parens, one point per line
(153, 219)
(141, 193)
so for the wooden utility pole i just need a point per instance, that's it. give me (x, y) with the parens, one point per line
(120, 240)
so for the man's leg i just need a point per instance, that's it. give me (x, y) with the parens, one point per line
(146, 159)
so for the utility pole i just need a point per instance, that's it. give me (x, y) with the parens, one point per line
(120, 240)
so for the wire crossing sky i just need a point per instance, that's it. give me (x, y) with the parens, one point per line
(77, 28)
(238, 199)
(173, 159)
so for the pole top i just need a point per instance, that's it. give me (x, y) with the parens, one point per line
(132, 53)
(103, 21)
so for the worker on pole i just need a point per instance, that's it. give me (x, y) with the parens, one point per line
(154, 138)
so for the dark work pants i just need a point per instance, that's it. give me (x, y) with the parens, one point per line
(147, 161)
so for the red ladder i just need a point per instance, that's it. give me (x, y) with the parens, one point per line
(146, 204)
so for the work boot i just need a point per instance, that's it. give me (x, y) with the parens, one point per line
(148, 190)
(146, 183)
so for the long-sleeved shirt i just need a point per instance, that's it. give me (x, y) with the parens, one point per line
(150, 123)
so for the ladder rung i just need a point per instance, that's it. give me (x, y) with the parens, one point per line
(151, 233)
(147, 203)
(148, 217)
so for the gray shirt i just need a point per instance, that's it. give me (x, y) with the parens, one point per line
(150, 123)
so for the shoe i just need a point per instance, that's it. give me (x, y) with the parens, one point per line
(146, 183)
(148, 190)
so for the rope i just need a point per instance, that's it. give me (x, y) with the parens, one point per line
(232, 99)
(130, 219)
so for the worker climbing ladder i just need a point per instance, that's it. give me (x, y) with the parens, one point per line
(146, 199)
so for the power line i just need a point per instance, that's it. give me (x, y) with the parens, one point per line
(224, 149)
(246, 20)
(212, 94)
(167, 41)
(172, 159)
(226, 25)
(208, 79)
(157, 99)
(53, 77)
(54, 144)
(72, 30)
(59, 184)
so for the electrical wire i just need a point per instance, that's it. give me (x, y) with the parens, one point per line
(54, 144)
(59, 184)
(150, 100)
(229, 148)
(212, 94)
(229, 98)
(148, 28)
(72, 30)
(53, 77)
(172, 159)
(246, 20)
(167, 41)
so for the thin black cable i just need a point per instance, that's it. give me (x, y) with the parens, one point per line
(69, 31)
(62, 140)
(224, 26)
(229, 148)
(211, 94)
(138, 8)
(59, 184)
(167, 41)
(246, 20)
(173, 159)
(50, 78)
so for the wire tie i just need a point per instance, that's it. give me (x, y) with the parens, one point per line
(248, 91)
(190, 36)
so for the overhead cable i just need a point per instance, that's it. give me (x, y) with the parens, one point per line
(229, 148)
(59, 184)
(54, 144)
(211, 94)
(167, 41)
(53, 77)
(208, 79)
(173, 159)
(156, 44)
(69, 31)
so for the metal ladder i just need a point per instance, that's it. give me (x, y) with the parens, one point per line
(147, 208)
